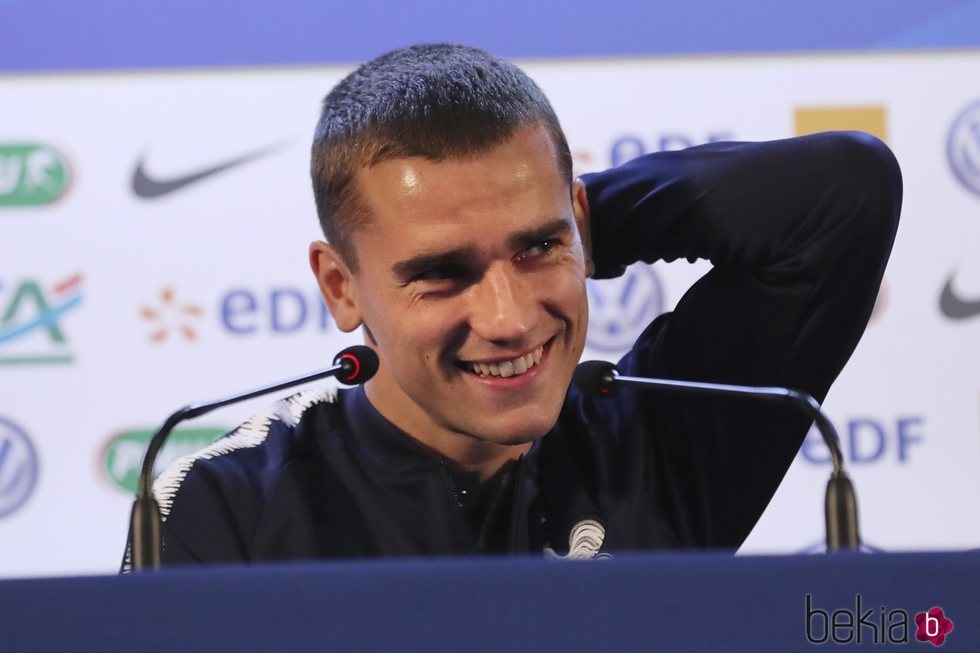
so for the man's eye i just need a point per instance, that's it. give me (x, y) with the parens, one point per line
(540, 249)
(439, 273)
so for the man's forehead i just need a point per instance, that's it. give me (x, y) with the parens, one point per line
(528, 156)
(514, 187)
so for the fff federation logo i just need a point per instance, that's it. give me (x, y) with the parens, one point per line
(31, 174)
(620, 309)
(18, 467)
(963, 147)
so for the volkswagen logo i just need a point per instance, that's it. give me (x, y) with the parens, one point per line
(18, 467)
(620, 309)
(963, 147)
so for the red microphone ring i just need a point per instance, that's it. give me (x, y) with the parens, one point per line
(357, 366)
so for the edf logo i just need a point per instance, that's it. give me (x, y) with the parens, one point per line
(867, 440)
(631, 146)
(283, 310)
(963, 147)
(620, 309)
(18, 467)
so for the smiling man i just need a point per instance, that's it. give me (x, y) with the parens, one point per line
(469, 277)
(460, 244)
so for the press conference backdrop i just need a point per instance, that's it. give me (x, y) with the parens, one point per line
(154, 226)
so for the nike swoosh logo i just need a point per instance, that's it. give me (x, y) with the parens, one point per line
(149, 187)
(954, 307)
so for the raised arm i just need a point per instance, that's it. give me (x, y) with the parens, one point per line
(799, 232)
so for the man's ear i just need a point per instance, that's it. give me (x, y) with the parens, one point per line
(580, 204)
(337, 285)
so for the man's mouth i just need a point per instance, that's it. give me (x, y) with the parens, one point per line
(506, 368)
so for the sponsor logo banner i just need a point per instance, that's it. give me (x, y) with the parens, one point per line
(18, 467)
(169, 318)
(633, 145)
(870, 440)
(31, 174)
(956, 306)
(811, 120)
(32, 318)
(963, 151)
(241, 312)
(963, 148)
(620, 309)
(123, 454)
(149, 186)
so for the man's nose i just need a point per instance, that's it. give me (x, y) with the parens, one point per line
(502, 308)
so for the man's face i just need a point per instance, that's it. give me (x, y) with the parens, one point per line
(471, 279)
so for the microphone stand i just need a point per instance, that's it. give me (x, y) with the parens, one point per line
(354, 365)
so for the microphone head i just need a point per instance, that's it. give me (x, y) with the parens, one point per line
(359, 364)
(595, 378)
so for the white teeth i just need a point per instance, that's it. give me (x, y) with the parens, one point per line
(515, 367)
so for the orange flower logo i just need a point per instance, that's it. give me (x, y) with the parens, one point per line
(171, 316)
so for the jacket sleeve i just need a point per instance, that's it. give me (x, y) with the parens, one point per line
(798, 232)
(204, 531)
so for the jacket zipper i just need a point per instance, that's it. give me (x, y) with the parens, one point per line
(461, 524)
(517, 508)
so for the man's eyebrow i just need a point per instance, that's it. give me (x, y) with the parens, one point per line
(416, 265)
(552, 229)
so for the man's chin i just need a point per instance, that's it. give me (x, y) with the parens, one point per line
(520, 433)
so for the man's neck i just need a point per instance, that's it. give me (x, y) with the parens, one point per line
(485, 464)
(464, 452)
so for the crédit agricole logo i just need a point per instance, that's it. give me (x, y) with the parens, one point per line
(32, 318)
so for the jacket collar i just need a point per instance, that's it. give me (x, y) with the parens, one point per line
(382, 443)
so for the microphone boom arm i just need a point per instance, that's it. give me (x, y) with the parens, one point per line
(352, 366)
(202, 408)
(802, 400)
(840, 503)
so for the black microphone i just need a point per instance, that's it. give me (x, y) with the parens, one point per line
(600, 379)
(352, 366)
